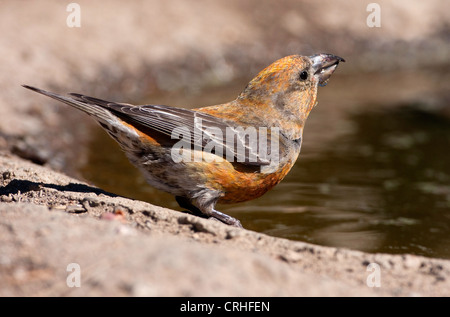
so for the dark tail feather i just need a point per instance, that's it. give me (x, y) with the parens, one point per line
(80, 103)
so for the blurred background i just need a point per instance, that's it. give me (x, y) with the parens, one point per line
(374, 172)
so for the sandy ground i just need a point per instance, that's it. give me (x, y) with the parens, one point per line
(124, 247)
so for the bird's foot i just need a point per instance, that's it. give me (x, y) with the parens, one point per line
(210, 212)
(220, 216)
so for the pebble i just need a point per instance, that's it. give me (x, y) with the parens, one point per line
(75, 209)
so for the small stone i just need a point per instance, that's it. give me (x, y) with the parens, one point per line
(6, 199)
(75, 209)
(290, 256)
(231, 234)
(92, 201)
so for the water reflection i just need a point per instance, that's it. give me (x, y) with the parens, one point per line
(376, 179)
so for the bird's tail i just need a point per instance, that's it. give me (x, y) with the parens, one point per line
(95, 110)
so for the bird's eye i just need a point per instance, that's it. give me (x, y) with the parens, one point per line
(304, 75)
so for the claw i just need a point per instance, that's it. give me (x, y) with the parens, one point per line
(225, 218)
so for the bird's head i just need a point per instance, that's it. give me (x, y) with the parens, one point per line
(289, 85)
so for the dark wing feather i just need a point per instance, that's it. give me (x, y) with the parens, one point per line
(164, 119)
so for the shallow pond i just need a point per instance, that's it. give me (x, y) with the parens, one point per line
(373, 174)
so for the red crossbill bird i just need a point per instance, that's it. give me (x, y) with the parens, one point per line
(227, 153)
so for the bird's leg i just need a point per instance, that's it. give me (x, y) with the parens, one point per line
(208, 209)
(225, 218)
(185, 203)
(208, 212)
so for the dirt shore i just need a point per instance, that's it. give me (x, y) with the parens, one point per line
(49, 220)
